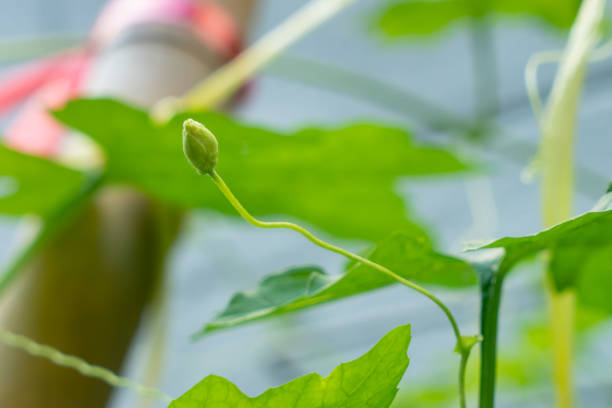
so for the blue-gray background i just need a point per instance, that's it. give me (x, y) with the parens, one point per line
(218, 256)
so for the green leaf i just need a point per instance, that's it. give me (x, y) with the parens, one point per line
(558, 13)
(410, 256)
(594, 285)
(341, 180)
(32, 185)
(580, 251)
(421, 17)
(370, 381)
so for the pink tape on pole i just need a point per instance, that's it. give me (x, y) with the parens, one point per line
(49, 83)
(217, 29)
(34, 131)
(20, 83)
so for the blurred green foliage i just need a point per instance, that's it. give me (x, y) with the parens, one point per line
(341, 180)
(400, 19)
(33, 185)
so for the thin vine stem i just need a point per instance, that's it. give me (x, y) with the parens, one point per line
(52, 354)
(465, 355)
(225, 190)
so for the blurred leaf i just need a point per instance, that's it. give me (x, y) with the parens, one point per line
(594, 284)
(32, 185)
(341, 180)
(420, 17)
(558, 13)
(580, 251)
(426, 395)
(369, 381)
(410, 256)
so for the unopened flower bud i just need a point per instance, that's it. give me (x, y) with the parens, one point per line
(200, 146)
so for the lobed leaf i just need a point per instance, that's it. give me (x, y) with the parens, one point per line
(33, 185)
(341, 180)
(370, 381)
(410, 256)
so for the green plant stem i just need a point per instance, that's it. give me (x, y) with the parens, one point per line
(465, 355)
(48, 229)
(225, 190)
(487, 106)
(491, 289)
(330, 247)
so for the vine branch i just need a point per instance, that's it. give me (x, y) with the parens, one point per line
(201, 150)
(35, 349)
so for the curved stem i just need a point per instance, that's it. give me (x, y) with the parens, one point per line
(354, 257)
(35, 349)
(465, 354)
(225, 190)
(491, 299)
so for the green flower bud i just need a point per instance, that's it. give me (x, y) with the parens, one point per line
(200, 146)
